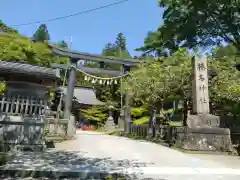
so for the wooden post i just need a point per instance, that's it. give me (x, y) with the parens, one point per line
(26, 105)
(31, 105)
(150, 123)
(17, 105)
(8, 103)
(127, 113)
(70, 92)
(2, 103)
(127, 108)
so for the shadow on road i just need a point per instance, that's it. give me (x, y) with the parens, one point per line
(65, 164)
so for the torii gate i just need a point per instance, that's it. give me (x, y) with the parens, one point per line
(75, 57)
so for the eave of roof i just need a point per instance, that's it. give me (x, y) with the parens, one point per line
(21, 68)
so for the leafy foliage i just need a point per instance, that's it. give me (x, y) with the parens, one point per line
(141, 120)
(226, 51)
(41, 34)
(159, 80)
(94, 113)
(169, 78)
(117, 49)
(140, 114)
(138, 111)
(20, 48)
(155, 44)
(5, 29)
(2, 86)
(120, 42)
(195, 23)
(62, 44)
(225, 87)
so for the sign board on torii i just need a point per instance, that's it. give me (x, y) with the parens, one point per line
(75, 57)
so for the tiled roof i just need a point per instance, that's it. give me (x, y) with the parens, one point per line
(14, 67)
(84, 95)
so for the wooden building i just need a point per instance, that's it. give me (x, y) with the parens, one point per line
(23, 103)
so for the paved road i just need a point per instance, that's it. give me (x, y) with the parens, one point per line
(150, 159)
(94, 152)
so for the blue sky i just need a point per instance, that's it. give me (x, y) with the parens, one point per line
(90, 32)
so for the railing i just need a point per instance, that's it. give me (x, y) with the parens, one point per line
(17, 105)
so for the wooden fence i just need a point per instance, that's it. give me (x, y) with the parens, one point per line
(169, 133)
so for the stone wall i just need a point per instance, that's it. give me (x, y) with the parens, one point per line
(61, 127)
(21, 131)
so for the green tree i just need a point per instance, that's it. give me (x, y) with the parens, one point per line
(159, 80)
(120, 42)
(225, 87)
(20, 48)
(62, 44)
(170, 78)
(117, 49)
(41, 33)
(121, 46)
(4, 28)
(109, 50)
(195, 22)
(155, 44)
(225, 51)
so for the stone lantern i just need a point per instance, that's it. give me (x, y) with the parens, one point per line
(110, 121)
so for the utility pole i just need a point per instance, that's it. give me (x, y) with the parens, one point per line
(70, 44)
(64, 82)
(121, 82)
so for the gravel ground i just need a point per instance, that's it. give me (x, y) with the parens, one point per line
(96, 152)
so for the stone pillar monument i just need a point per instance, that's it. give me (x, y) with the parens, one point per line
(203, 132)
(200, 86)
